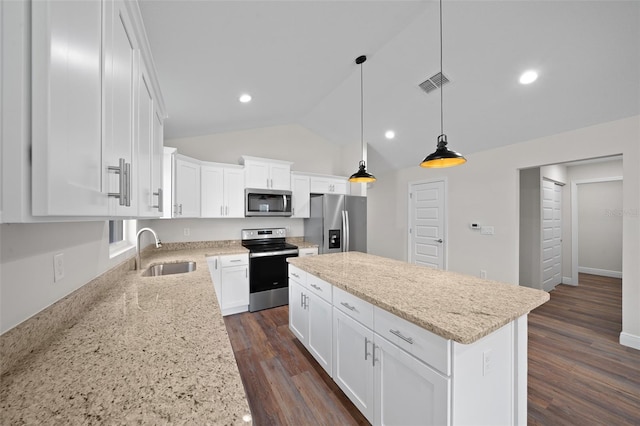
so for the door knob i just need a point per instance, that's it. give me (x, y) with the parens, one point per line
(439, 240)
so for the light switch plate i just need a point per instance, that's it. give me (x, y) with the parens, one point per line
(486, 230)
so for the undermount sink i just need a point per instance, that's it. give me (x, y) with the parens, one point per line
(169, 269)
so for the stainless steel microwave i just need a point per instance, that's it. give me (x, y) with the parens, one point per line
(267, 202)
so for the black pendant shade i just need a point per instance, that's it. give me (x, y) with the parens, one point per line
(443, 157)
(361, 176)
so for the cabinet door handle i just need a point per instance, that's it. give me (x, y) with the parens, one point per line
(221, 211)
(180, 209)
(301, 300)
(409, 340)
(373, 356)
(226, 211)
(267, 182)
(160, 195)
(236, 260)
(272, 183)
(316, 287)
(366, 348)
(295, 275)
(246, 272)
(348, 306)
(122, 181)
(216, 267)
(127, 186)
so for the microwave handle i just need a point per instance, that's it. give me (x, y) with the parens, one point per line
(284, 197)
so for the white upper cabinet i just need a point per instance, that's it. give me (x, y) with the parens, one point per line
(67, 174)
(149, 151)
(222, 190)
(121, 67)
(186, 186)
(329, 185)
(300, 197)
(96, 112)
(267, 174)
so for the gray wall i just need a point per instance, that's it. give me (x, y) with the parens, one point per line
(600, 228)
(530, 240)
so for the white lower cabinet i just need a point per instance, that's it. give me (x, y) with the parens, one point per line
(310, 321)
(230, 276)
(407, 391)
(308, 251)
(353, 361)
(398, 373)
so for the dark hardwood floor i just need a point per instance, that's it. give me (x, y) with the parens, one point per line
(578, 373)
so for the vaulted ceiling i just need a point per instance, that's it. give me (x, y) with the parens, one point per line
(296, 59)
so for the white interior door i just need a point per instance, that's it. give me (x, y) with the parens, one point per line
(427, 224)
(551, 235)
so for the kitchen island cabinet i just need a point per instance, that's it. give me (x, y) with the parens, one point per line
(431, 346)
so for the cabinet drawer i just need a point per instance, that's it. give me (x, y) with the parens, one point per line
(353, 306)
(234, 260)
(298, 275)
(319, 287)
(424, 345)
(310, 251)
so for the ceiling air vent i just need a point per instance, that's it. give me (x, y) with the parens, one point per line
(434, 82)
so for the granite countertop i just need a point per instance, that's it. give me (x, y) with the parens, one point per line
(455, 306)
(145, 350)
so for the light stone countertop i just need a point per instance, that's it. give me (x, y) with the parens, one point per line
(455, 306)
(144, 350)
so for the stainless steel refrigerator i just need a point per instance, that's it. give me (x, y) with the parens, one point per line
(337, 223)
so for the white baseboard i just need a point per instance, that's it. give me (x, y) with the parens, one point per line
(568, 281)
(630, 340)
(601, 272)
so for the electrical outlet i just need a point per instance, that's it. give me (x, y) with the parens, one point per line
(58, 267)
(483, 274)
(187, 232)
(486, 362)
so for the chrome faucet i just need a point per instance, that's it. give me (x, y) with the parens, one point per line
(158, 244)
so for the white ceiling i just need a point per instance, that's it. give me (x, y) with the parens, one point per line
(296, 58)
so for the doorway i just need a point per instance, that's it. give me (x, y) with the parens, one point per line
(427, 223)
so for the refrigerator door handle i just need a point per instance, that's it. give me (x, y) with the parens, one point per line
(344, 231)
(348, 231)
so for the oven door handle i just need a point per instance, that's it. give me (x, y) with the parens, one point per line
(274, 253)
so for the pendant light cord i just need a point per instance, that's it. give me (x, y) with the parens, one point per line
(361, 112)
(441, 75)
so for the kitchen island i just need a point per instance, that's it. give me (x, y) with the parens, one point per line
(128, 349)
(406, 342)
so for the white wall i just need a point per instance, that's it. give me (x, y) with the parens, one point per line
(26, 264)
(530, 232)
(172, 230)
(594, 170)
(600, 228)
(486, 189)
(308, 151)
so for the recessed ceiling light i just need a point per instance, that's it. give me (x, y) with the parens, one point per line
(245, 98)
(389, 134)
(528, 77)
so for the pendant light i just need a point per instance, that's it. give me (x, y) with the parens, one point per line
(442, 157)
(362, 176)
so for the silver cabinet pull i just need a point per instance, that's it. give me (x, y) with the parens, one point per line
(373, 356)
(366, 348)
(160, 195)
(127, 185)
(409, 340)
(316, 287)
(246, 272)
(306, 301)
(236, 260)
(226, 211)
(295, 275)
(180, 209)
(221, 210)
(301, 300)
(216, 266)
(271, 183)
(122, 182)
(267, 182)
(348, 306)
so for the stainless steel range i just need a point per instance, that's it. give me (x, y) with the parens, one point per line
(268, 268)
